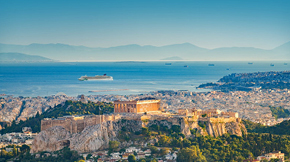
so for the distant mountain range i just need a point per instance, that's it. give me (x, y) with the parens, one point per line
(20, 57)
(133, 52)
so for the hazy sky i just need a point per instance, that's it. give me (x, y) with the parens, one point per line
(104, 23)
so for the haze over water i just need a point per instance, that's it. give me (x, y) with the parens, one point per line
(52, 78)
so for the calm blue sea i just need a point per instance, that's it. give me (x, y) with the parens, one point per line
(52, 78)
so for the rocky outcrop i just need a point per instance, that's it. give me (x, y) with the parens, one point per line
(218, 129)
(92, 138)
(236, 128)
(55, 138)
(97, 137)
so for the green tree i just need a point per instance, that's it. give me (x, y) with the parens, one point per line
(175, 128)
(190, 154)
(15, 151)
(153, 149)
(3, 152)
(113, 145)
(274, 160)
(131, 158)
(24, 148)
(163, 152)
(89, 156)
(154, 160)
(142, 160)
(264, 160)
(186, 143)
(145, 131)
(81, 161)
(164, 141)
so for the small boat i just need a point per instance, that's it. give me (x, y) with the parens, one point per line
(271, 64)
(285, 64)
(168, 63)
(228, 68)
(185, 66)
(250, 63)
(210, 64)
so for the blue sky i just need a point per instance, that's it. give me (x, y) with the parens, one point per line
(103, 23)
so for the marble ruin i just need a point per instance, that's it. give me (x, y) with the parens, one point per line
(144, 109)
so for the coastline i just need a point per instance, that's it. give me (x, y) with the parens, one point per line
(47, 79)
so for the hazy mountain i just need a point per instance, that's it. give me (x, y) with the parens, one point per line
(134, 52)
(284, 49)
(20, 57)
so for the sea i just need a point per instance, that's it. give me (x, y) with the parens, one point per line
(46, 79)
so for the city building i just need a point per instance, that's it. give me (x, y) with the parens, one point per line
(272, 155)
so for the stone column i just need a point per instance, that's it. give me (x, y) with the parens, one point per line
(129, 107)
(71, 127)
(116, 108)
(125, 108)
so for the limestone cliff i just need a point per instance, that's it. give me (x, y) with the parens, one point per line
(55, 138)
(236, 128)
(92, 138)
(218, 129)
(97, 137)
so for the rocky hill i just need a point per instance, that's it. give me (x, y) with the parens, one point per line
(250, 81)
(97, 137)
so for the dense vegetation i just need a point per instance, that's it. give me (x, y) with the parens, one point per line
(235, 148)
(64, 155)
(192, 153)
(251, 126)
(279, 112)
(227, 148)
(68, 108)
(282, 128)
(16, 151)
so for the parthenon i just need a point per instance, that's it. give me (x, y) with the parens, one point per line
(137, 106)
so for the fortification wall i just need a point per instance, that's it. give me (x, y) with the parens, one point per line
(45, 124)
(130, 118)
(76, 124)
(222, 120)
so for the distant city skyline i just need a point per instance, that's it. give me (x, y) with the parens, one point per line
(208, 24)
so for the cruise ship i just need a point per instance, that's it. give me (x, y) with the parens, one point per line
(97, 77)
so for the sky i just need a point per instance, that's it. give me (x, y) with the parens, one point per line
(104, 23)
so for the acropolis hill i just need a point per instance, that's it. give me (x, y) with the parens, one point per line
(93, 132)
